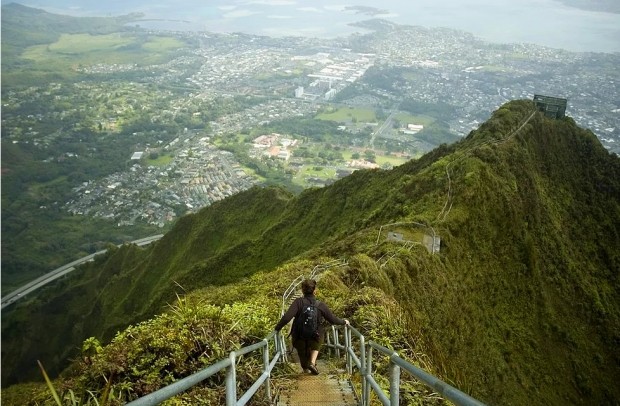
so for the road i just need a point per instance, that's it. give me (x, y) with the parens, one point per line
(386, 124)
(41, 281)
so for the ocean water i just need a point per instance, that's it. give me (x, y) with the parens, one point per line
(542, 22)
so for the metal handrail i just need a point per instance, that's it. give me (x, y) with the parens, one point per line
(445, 390)
(363, 363)
(228, 364)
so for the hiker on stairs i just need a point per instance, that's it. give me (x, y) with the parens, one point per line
(308, 332)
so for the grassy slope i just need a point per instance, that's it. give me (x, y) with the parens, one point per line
(136, 283)
(530, 305)
(522, 305)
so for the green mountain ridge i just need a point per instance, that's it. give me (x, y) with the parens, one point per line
(521, 305)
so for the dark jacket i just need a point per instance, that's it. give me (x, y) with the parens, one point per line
(295, 309)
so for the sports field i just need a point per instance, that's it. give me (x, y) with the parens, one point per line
(346, 114)
(406, 118)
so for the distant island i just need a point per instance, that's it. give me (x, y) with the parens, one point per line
(608, 6)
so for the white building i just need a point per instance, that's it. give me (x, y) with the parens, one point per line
(330, 93)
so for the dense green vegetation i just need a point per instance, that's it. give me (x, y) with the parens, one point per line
(63, 126)
(40, 47)
(521, 305)
(39, 234)
(68, 144)
(70, 115)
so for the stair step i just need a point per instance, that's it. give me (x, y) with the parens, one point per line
(323, 389)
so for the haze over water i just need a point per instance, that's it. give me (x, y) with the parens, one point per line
(543, 22)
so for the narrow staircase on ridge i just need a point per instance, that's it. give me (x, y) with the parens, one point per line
(325, 389)
(329, 388)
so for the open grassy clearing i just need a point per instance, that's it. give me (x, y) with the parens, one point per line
(380, 159)
(161, 160)
(162, 44)
(86, 49)
(406, 118)
(346, 114)
(313, 171)
(73, 44)
(391, 159)
(41, 190)
(317, 171)
(280, 74)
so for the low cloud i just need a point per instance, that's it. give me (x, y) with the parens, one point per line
(310, 9)
(272, 2)
(239, 13)
(336, 7)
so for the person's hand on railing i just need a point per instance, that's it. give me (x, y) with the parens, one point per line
(346, 322)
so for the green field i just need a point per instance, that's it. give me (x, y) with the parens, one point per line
(393, 160)
(86, 49)
(73, 44)
(280, 74)
(406, 118)
(346, 114)
(311, 171)
(380, 159)
(161, 160)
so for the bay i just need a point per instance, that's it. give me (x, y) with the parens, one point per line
(543, 22)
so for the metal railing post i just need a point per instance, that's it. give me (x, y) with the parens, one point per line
(336, 342)
(365, 387)
(394, 383)
(347, 344)
(266, 370)
(368, 373)
(231, 381)
(329, 343)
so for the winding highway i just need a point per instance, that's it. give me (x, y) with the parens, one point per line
(41, 281)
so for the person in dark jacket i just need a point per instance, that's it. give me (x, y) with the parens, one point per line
(308, 350)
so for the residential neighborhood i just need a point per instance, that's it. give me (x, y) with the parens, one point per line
(231, 85)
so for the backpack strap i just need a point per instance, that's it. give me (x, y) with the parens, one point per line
(297, 316)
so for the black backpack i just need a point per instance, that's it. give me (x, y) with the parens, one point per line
(308, 321)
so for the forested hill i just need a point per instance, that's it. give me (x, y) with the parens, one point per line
(24, 26)
(520, 306)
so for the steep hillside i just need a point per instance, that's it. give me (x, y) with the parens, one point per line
(520, 306)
